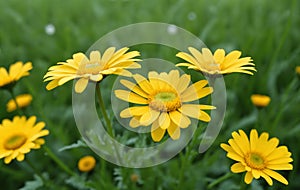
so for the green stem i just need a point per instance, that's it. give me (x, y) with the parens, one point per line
(187, 156)
(20, 112)
(243, 185)
(58, 161)
(103, 110)
(107, 120)
(219, 180)
(182, 169)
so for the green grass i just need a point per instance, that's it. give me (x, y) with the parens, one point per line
(268, 31)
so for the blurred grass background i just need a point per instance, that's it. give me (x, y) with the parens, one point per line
(268, 31)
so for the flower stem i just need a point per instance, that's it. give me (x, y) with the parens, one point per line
(103, 110)
(20, 112)
(58, 161)
(107, 120)
(219, 180)
(182, 169)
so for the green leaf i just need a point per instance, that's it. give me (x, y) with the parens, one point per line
(32, 185)
(78, 182)
(78, 144)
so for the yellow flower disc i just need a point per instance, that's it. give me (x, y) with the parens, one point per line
(86, 163)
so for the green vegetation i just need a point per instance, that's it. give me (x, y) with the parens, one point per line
(268, 31)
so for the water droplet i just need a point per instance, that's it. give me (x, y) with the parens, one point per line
(50, 29)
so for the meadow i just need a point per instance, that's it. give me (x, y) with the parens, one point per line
(266, 31)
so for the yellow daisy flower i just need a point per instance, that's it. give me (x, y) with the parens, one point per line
(15, 73)
(23, 100)
(19, 136)
(260, 100)
(259, 157)
(86, 163)
(166, 100)
(93, 68)
(216, 63)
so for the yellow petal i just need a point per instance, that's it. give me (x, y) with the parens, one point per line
(267, 146)
(107, 55)
(157, 133)
(95, 57)
(134, 111)
(256, 173)
(52, 84)
(96, 78)
(149, 117)
(243, 141)
(134, 122)
(267, 178)
(194, 111)
(81, 84)
(20, 157)
(164, 120)
(174, 131)
(248, 178)
(276, 176)
(187, 57)
(80, 58)
(253, 140)
(235, 147)
(179, 119)
(278, 153)
(174, 77)
(133, 87)
(280, 166)
(226, 147)
(196, 54)
(14, 69)
(65, 79)
(232, 56)
(130, 97)
(117, 55)
(7, 159)
(143, 83)
(184, 82)
(282, 160)
(234, 156)
(122, 72)
(237, 168)
(219, 55)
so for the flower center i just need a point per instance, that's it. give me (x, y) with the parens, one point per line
(255, 161)
(14, 142)
(91, 68)
(165, 101)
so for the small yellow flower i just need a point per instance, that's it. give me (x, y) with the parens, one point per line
(23, 100)
(217, 63)
(259, 157)
(260, 100)
(86, 163)
(167, 102)
(19, 136)
(93, 68)
(16, 72)
(297, 69)
(134, 178)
